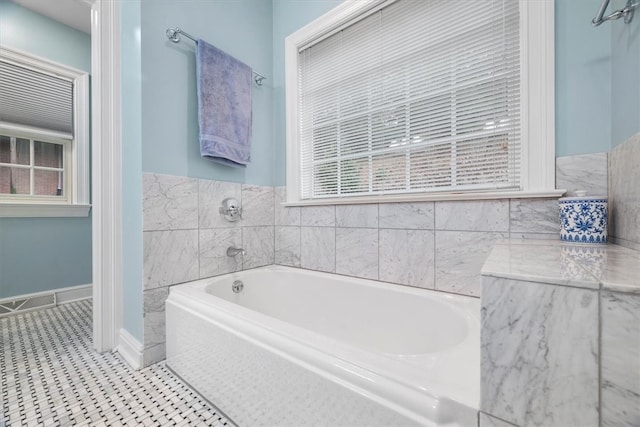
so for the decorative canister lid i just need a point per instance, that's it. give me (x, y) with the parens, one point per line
(583, 219)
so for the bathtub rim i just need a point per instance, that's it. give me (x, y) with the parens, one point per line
(369, 374)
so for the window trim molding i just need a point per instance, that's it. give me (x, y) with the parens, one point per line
(80, 148)
(537, 59)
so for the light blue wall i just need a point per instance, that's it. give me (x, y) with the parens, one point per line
(583, 79)
(288, 17)
(43, 254)
(31, 32)
(40, 254)
(242, 28)
(131, 80)
(625, 79)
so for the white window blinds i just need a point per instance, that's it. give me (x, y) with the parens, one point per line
(31, 98)
(420, 96)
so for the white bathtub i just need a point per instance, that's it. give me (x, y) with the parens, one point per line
(297, 348)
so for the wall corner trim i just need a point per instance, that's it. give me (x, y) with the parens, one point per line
(130, 349)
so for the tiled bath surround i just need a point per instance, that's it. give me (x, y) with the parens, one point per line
(435, 245)
(186, 238)
(560, 335)
(624, 193)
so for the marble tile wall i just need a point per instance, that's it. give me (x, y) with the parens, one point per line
(560, 339)
(620, 395)
(436, 245)
(185, 238)
(539, 353)
(624, 193)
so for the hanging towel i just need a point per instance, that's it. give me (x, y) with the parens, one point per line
(224, 106)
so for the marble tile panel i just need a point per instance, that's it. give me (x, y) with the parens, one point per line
(213, 251)
(318, 248)
(535, 216)
(257, 205)
(472, 215)
(169, 257)
(284, 215)
(407, 257)
(534, 236)
(624, 193)
(535, 370)
(365, 216)
(154, 354)
(547, 261)
(210, 197)
(620, 359)
(318, 216)
(415, 215)
(258, 243)
(459, 259)
(587, 172)
(154, 299)
(287, 246)
(169, 202)
(154, 328)
(357, 252)
(486, 420)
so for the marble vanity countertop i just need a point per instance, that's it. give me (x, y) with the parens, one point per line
(609, 266)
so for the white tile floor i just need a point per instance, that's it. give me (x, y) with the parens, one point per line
(52, 377)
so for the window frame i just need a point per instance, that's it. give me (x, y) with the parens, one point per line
(537, 94)
(77, 202)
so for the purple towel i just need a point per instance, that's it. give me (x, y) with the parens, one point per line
(224, 106)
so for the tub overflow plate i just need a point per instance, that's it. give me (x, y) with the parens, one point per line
(237, 286)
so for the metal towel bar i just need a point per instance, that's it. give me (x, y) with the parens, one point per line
(173, 34)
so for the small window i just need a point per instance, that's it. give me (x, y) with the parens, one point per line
(44, 137)
(416, 99)
(34, 168)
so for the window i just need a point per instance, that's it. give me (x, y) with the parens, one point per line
(44, 138)
(390, 100)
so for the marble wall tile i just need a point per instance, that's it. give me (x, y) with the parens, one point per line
(586, 172)
(318, 216)
(415, 215)
(169, 202)
(169, 257)
(318, 251)
(287, 246)
(154, 313)
(257, 205)
(213, 251)
(154, 299)
(154, 328)
(210, 197)
(258, 243)
(407, 257)
(357, 252)
(485, 420)
(535, 216)
(624, 193)
(284, 215)
(459, 259)
(365, 216)
(153, 354)
(534, 371)
(535, 236)
(620, 359)
(473, 215)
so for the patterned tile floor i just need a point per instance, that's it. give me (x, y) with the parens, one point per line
(52, 377)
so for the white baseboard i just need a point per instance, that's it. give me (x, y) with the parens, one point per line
(130, 349)
(73, 293)
(45, 299)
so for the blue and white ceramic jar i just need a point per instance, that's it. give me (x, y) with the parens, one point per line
(583, 219)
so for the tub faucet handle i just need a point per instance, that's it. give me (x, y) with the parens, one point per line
(231, 251)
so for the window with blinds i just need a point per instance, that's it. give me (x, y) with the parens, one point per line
(414, 97)
(44, 136)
